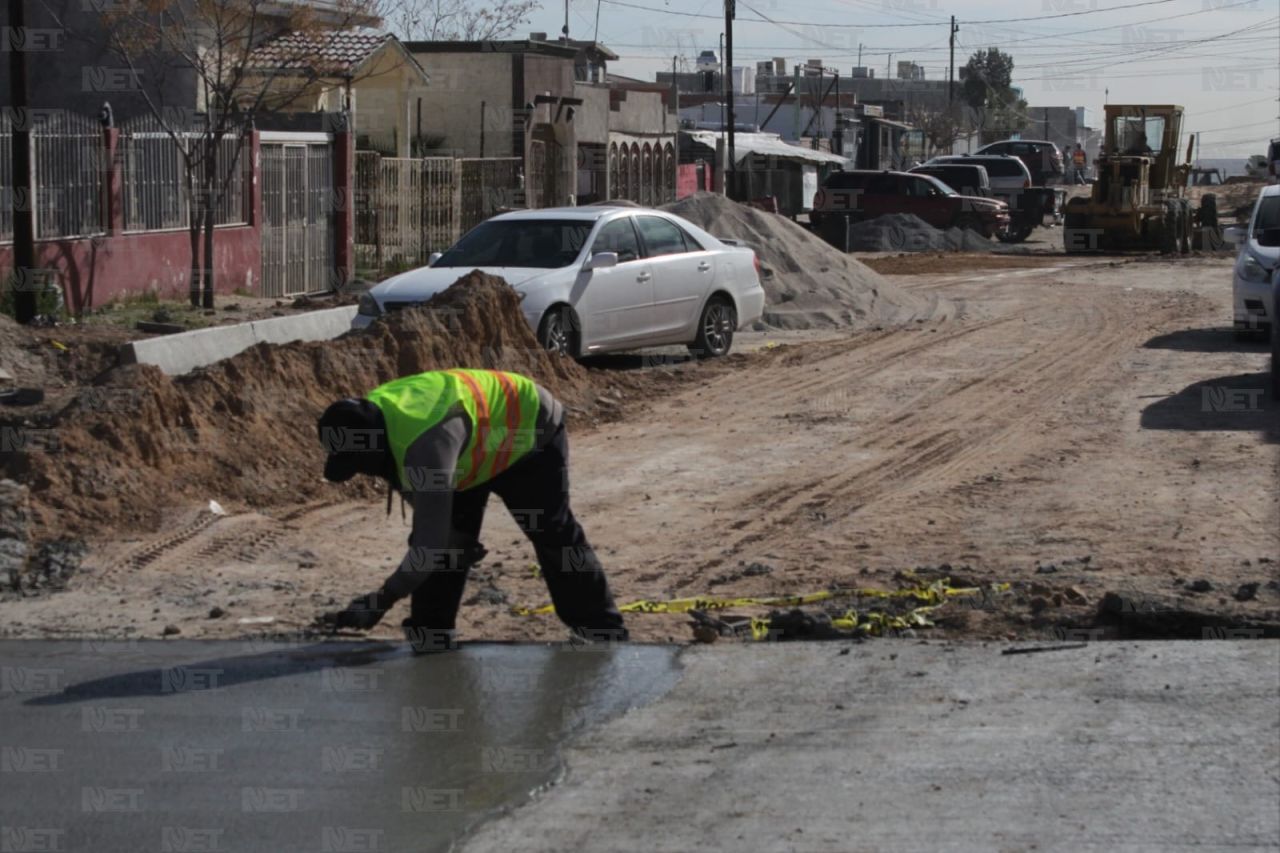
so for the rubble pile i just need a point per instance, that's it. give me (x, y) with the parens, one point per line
(243, 429)
(906, 232)
(812, 284)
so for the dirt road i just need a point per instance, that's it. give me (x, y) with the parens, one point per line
(1091, 415)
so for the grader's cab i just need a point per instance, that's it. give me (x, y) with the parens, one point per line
(1139, 197)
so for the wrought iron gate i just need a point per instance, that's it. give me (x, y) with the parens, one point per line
(297, 218)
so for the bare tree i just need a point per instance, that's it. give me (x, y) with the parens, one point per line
(214, 45)
(456, 20)
(942, 126)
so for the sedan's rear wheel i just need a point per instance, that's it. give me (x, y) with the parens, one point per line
(556, 333)
(715, 329)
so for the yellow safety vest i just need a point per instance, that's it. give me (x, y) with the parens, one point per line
(502, 408)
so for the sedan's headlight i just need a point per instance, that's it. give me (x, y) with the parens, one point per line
(1252, 271)
(368, 306)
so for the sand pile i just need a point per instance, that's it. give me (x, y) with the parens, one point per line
(813, 284)
(906, 232)
(243, 430)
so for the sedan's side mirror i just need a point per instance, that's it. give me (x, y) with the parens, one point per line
(602, 260)
(1233, 234)
(433, 257)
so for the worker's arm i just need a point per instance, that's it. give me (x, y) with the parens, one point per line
(429, 466)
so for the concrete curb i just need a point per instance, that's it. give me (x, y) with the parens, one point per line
(184, 352)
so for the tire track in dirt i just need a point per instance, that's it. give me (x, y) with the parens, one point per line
(945, 432)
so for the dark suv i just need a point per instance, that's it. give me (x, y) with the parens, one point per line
(861, 195)
(966, 180)
(1043, 159)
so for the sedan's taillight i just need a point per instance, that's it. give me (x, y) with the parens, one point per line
(755, 259)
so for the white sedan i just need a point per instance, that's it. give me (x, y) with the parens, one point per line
(599, 279)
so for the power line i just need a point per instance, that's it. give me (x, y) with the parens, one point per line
(763, 20)
(1073, 14)
(1143, 55)
(1233, 128)
(1133, 24)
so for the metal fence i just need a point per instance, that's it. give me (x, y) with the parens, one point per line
(408, 207)
(488, 186)
(68, 166)
(154, 179)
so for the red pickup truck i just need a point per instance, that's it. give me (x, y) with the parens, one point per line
(861, 195)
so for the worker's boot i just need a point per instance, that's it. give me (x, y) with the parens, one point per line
(426, 641)
(598, 637)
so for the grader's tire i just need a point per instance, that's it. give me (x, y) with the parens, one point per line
(1208, 233)
(1076, 239)
(1186, 225)
(1014, 233)
(1168, 236)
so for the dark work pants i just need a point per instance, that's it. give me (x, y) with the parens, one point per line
(536, 492)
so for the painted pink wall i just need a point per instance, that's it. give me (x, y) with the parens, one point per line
(95, 270)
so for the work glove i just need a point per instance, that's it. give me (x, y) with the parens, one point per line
(361, 614)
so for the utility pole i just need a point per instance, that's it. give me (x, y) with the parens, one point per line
(22, 199)
(1045, 115)
(675, 88)
(859, 54)
(723, 105)
(730, 12)
(951, 69)
(566, 22)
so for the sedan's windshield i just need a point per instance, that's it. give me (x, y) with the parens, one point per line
(540, 243)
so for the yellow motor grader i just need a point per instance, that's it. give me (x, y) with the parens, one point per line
(1139, 198)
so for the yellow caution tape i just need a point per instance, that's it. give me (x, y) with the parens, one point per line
(931, 594)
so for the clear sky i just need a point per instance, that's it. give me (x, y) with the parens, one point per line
(1218, 58)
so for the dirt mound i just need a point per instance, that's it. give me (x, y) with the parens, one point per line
(1235, 199)
(906, 232)
(813, 284)
(243, 430)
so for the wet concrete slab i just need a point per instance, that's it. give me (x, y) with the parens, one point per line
(905, 745)
(245, 746)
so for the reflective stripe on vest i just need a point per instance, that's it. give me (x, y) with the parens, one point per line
(502, 409)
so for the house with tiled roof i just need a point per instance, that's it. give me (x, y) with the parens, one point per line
(369, 75)
(77, 67)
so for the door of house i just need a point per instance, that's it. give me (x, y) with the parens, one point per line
(297, 221)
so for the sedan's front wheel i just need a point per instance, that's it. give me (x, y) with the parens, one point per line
(555, 332)
(715, 329)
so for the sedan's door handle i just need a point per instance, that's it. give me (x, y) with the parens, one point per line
(644, 276)
(704, 266)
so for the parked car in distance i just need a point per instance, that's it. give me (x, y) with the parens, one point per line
(1198, 177)
(1041, 157)
(1258, 244)
(599, 279)
(863, 194)
(966, 180)
(1273, 161)
(1029, 206)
